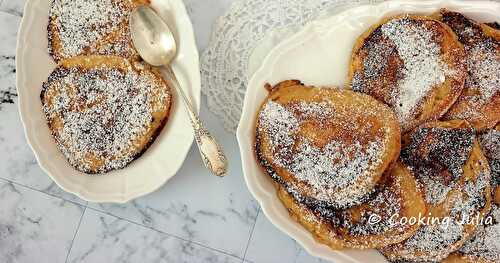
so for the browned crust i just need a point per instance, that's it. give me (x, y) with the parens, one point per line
(326, 233)
(486, 115)
(459, 258)
(442, 97)
(55, 46)
(107, 61)
(496, 196)
(474, 167)
(284, 178)
(494, 25)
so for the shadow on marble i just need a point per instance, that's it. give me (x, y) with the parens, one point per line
(193, 206)
(267, 240)
(203, 20)
(15, 7)
(196, 206)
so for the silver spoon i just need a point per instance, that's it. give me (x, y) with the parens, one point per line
(155, 43)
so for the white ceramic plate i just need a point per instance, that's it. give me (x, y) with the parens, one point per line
(164, 157)
(319, 55)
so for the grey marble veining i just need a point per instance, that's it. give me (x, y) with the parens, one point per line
(103, 238)
(8, 90)
(18, 164)
(197, 206)
(15, 7)
(35, 227)
(8, 35)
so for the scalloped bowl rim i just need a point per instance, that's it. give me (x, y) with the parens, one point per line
(153, 177)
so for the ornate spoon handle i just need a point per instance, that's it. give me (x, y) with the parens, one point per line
(211, 152)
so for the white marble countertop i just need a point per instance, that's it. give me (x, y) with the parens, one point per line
(194, 218)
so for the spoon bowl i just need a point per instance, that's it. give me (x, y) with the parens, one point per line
(155, 43)
(152, 37)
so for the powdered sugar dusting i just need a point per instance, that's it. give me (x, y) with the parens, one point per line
(356, 223)
(483, 65)
(103, 111)
(326, 169)
(434, 239)
(485, 244)
(435, 191)
(281, 125)
(490, 142)
(437, 155)
(323, 168)
(483, 62)
(423, 68)
(384, 205)
(82, 23)
(377, 57)
(473, 199)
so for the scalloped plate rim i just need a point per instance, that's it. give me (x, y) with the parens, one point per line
(271, 206)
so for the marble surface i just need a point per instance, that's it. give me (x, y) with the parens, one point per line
(193, 218)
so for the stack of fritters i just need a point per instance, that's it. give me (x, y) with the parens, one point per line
(447, 160)
(103, 105)
(406, 160)
(480, 101)
(333, 154)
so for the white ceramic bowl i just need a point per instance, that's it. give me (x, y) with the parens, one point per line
(319, 54)
(144, 175)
